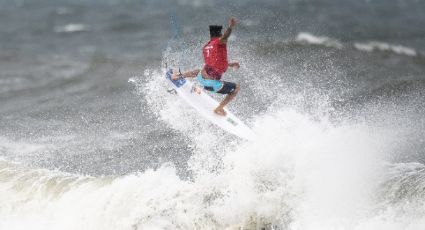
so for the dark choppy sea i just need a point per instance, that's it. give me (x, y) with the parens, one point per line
(90, 138)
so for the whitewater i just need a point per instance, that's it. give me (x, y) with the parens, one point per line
(303, 172)
(91, 139)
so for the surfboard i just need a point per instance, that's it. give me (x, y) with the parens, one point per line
(204, 104)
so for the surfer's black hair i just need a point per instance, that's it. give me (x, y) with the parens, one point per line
(215, 30)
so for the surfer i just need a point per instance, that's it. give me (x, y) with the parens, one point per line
(216, 63)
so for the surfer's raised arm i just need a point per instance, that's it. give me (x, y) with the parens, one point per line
(226, 35)
(191, 74)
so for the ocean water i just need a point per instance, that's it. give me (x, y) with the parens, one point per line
(90, 138)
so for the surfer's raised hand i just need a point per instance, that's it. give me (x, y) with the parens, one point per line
(232, 22)
(226, 35)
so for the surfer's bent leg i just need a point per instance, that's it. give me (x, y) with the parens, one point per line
(222, 87)
(231, 89)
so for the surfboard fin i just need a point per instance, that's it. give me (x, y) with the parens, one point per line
(172, 91)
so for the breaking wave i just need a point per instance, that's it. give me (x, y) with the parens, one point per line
(382, 46)
(301, 173)
(318, 40)
(72, 28)
(310, 39)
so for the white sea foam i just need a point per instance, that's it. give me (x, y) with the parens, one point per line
(382, 46)
(308, 38)
(13, 147)
(318, 40)
(71, 28)
(299, 174)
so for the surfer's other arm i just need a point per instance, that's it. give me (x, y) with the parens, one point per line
(190, 74)
(234, 65)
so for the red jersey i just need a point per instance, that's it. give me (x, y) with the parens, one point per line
(215, 56)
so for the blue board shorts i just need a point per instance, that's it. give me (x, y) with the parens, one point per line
(216, 86)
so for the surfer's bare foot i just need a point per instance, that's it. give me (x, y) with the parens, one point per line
(220, 111)
(176, 75)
